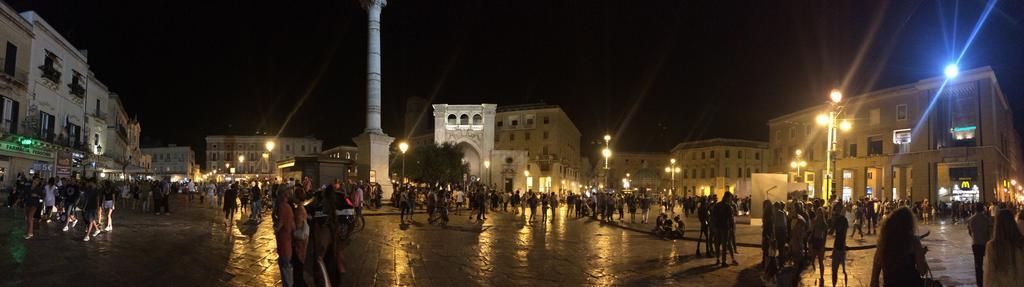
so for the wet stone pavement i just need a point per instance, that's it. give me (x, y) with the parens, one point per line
(196, 247)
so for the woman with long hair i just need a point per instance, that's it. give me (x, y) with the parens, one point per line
(899, 258)
(766, 231)
(1004, 254)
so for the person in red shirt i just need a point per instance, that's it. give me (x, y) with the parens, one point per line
(283, 231)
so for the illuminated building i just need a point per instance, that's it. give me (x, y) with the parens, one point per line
(907, 144)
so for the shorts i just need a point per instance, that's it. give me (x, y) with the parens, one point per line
(89, 216)
(108, 204)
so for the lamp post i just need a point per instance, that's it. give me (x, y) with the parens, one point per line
(269, 145)
(403, 147)
(487, 165)
(241, 160)
(607, 153)
(672, 170)
(798, 163)
(832, 121)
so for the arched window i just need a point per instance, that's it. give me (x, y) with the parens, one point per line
(477, 119)
(451, 120)
(464, 119)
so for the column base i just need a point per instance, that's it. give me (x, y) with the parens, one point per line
(374, 160)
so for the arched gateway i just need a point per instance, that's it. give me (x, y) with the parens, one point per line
(469, 127)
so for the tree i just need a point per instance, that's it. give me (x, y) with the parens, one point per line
(436, 164)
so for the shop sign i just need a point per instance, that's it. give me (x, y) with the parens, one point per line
(12, 147)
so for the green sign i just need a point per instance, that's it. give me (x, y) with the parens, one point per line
(5, 146)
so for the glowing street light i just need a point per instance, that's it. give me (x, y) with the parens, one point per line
(487, 165)
(836, 96)
(951, 71)
(672, 170)
(269, 145)
(832, 121)
(403, 147)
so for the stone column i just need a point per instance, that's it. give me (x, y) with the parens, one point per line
(373, 73)
(374, 145)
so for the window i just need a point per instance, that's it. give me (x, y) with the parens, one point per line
(726, 172)
(515, 123)
(527, 136)
(757, 156)
(11, 59)
(302, 148)
(452, 120)
(46, 126)
(791, 133)
(464, 120)
(545, 134)
(748, 172)
(478, 120)
(739, 172)
(511, 137)
(9, 121)
(713, 172)
(50, 67)
(901, 112)
(810, 154)
(874, 117)
(712, 154)
(74, 135)
(875, 145)
(739, 154)
(287, 147)
(726, 153)
(544, 150)
(213, 156)
(901, 139)
(685, 174)
(702, 173)
(76, 87)
(852, 151)
(529, 121)
(546, 120)
(703, 155)
(497, 137)
(499, 124)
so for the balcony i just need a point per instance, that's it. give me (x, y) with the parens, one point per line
(77, 89)
(14, 74)
(50, 73)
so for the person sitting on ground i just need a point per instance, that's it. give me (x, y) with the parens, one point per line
(680, 226)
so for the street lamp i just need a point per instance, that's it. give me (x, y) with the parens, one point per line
(672, 170)
(403, 147)
(832, 121)
(951, 71)
(241, 159)
(487, 165)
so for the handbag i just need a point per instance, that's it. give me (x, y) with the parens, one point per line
(301, 233)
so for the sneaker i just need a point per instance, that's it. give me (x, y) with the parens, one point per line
(73, 223)
(86, 239)
(167, 213)
(157, 213)
(109, 228)
(97, 232)
(65, 228)
(28, 236)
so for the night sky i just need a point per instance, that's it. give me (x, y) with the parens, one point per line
(653, 73)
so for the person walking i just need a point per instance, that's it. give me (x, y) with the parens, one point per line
(766, 230)
(301, 236)
(31, 200)
(816, 240)
(211, 189)
(645, 206)
(1004, 258)
(108, 204)
(724, 226)
(403, 205)
(284, 230)
(230, 196)
(70, 204)
(544, 208)
(49, 199)
(979, 227)
(92, 211)
(839, 225)
(899, 258)
(532, 201)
